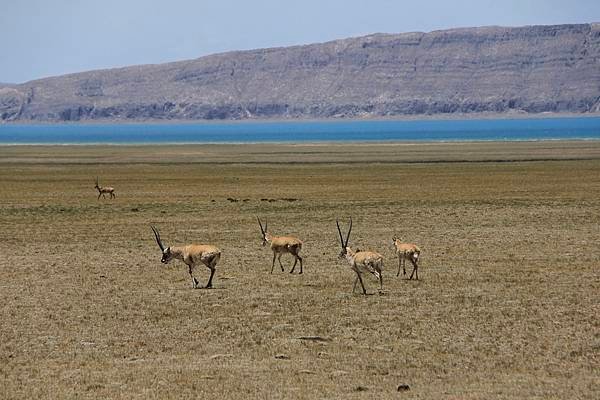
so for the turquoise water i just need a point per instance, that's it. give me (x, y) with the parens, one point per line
(334, 131)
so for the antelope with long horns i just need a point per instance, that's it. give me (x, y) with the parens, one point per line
(281, 245)
(191, 254)
(103, 190)
(361, 261)
(404, 251)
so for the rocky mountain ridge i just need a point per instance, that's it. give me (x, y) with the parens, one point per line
(530, 69)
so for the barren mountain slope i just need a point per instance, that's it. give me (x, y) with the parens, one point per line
(492, 69)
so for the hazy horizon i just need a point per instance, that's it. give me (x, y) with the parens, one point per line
(49, 38)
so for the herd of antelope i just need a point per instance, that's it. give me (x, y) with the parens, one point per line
(360, 261)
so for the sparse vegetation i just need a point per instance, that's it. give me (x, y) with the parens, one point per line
(506, 305)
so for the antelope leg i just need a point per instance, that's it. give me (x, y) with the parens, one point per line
(295, 262)
(194, 280)
(212, 273)
(415, 268)
(361, 283)
(273, 266)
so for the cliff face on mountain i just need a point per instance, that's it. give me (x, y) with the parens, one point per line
(530, 69)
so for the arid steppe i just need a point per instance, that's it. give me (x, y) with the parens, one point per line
(507, 305)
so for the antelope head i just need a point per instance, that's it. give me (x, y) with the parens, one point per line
(265, 235)
(166, 252)
(97, 186)
(346, 251)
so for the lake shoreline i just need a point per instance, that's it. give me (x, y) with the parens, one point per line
(308, 143)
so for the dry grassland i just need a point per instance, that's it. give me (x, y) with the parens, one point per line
(508, 305)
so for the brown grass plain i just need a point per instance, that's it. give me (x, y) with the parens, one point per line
(507, 305)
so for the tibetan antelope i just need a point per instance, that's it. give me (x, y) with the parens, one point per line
(404, 251)
(281, 245)
(361, 261)
(103, 190)
(191, 254)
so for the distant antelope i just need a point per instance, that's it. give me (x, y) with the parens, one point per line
(281, 245)
(361, 261)
(404, 251)
(103, 190)
(191, 254)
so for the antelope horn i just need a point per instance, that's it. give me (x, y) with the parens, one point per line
(261, 227)
(340, 232)
(157, 236)
(348, 236)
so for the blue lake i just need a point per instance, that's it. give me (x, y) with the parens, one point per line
(329, 131)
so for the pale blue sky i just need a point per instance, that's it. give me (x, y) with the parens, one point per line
(50, 37)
